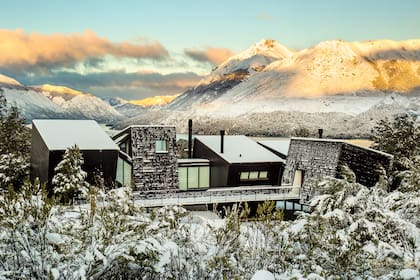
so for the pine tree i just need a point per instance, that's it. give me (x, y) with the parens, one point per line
(14, 146)
(69, 179)
(401, 138)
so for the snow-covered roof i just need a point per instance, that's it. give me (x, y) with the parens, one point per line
(239, 149)
(63, 134)
(281, 146)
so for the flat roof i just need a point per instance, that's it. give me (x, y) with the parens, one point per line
(239, 149)
(63, 134)
(281, 146)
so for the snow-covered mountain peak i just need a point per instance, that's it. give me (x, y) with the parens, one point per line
(265, 47)
(9, 81)
(59, 89)
(252, 60)
(160, 100)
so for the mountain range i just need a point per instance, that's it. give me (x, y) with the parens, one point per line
(345, 87)
(271, 77)
(266, 89)
(49, 101)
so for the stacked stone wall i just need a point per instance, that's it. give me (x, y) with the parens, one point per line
(364, 163)
(154, 171)
(316, 159)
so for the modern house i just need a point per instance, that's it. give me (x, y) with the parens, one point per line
(310, 159)
(51, 138)
(236, 160)
(147, 159)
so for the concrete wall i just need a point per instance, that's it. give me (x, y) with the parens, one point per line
(316, 158)
(154, 171)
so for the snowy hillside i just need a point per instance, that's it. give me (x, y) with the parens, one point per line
(49, 101)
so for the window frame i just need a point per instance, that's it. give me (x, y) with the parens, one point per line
(245, 176)
(198, 186)
(161, 151)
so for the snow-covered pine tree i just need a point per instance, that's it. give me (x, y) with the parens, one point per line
(14, 146)
(69, 179)
(401, 138)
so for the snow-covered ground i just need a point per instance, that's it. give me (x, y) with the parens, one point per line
(352, 233)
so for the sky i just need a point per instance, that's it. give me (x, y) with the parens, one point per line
(136, 49)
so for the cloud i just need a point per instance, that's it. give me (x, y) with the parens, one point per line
(20, 50)
(119, 83)
(265, 17)
(212, 55)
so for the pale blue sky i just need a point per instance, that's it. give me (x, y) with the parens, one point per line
(180, 25)
(231, 24)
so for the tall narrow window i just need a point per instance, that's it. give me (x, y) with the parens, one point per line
(299, 177)
(161, 146)
(124, 173)
(183, 178)
(204, 177)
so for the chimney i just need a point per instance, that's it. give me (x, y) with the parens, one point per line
(190, 138)
(320, 132)
(222, 141)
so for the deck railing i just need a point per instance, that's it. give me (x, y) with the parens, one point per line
(217, 195)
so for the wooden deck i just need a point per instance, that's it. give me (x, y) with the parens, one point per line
(218, 195)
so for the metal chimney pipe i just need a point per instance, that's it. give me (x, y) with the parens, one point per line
(190, 138)
(222, 141)
(320, 132)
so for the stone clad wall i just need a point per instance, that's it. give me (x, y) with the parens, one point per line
(364, 163)
(152, 171)
(316, 158)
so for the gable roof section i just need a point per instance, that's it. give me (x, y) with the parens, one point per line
(63, 134)
(279, 146)
(239, 149)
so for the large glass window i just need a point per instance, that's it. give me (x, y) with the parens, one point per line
(161, 146)
(194, 177)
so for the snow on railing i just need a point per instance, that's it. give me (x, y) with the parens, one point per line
(217, 195)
